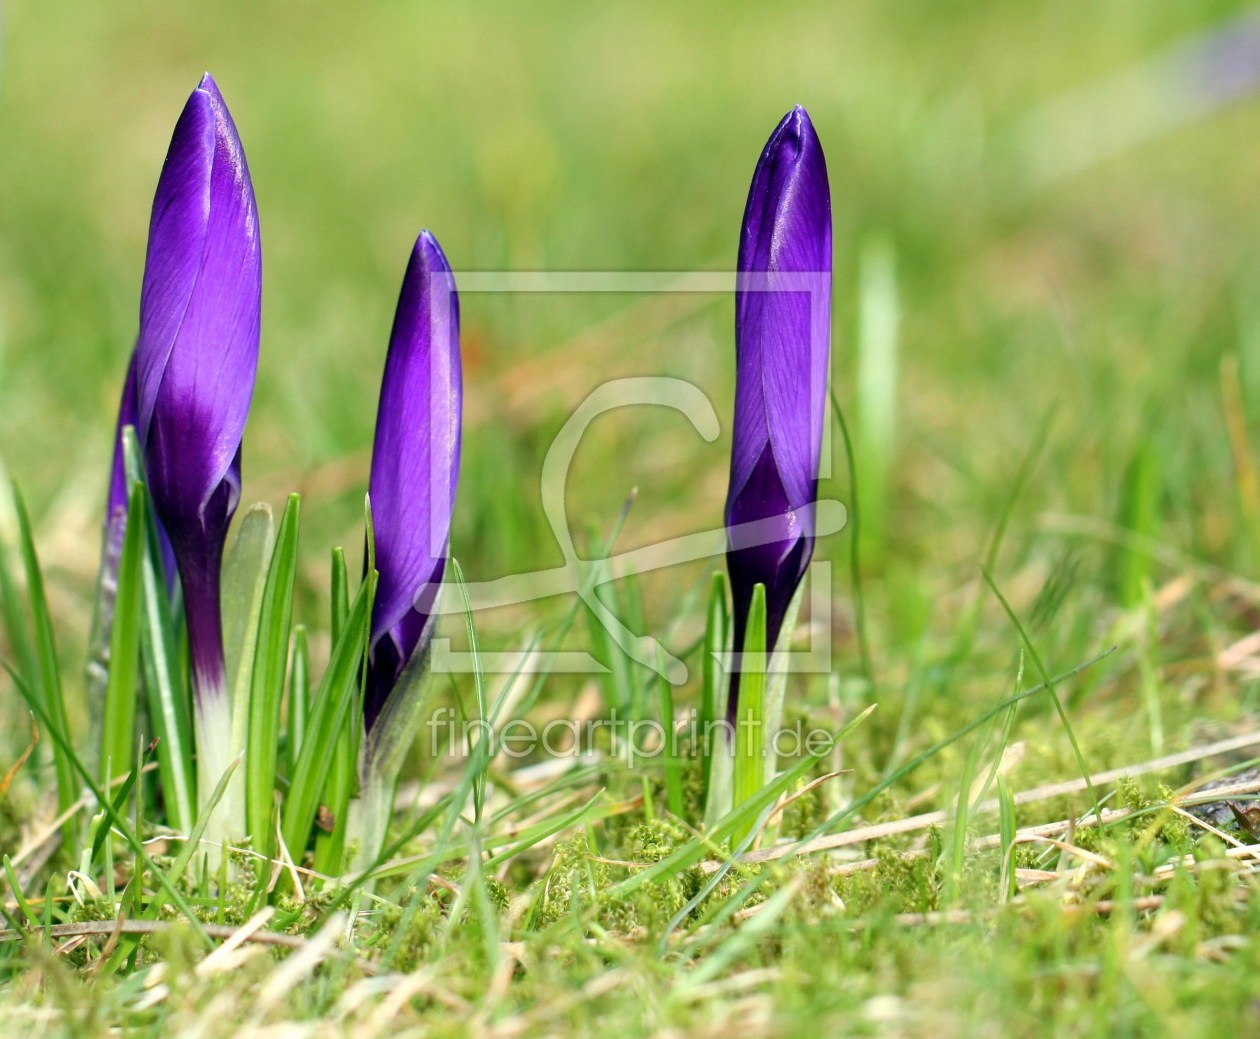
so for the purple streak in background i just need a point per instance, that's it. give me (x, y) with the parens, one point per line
(415, 467)
(782, 350)
(117, 505)
(128, 415)
(197, 355)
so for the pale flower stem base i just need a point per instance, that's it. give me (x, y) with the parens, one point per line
(721, 766)
(381, 756)
(721, 781)
(776, 683)
(215, 755)
(367, 821)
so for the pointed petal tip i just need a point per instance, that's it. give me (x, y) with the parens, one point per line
(795, 126)
(429, 253)
(208, 94)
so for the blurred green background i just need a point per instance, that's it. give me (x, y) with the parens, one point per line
(1073, 220)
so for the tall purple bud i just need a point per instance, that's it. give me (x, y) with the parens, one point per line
(782, 349)
(195, 363)
(415, 469)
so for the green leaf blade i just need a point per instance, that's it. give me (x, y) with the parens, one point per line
(267, 685)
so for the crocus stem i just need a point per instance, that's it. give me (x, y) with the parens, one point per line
(368, 816)
(199, 573)
(776, 684)
(381, 755)
(735, 773)
(213, 721)
(750, 736)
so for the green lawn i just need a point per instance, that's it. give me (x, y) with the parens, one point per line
(1076, 405)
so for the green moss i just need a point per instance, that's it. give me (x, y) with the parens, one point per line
(806, 812)
(899, 883)
(407, 935)
(573, 884)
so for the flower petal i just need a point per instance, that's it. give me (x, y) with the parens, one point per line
(782, 347)
(197, 353)
(783, 311)
(415, 463)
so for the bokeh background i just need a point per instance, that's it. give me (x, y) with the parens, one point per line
(1056, 204)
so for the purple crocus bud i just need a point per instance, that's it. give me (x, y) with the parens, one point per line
(196, 358)
(782, 346)
(415, 468)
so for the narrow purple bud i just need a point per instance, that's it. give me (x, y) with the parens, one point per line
(197, 354)
(782, 350)
(415, 467)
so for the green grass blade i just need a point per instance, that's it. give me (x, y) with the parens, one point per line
(122, 688)
(855, 549)
(330, 711)
(1139, 513)
(24, 907)
(669, 751)
(15, 625)
(1149, 670)
(330, 845)
(962, 816)
(116, 819)
(267, 686)
(741, 819)
(120, 801)
(339, 592)
(571, 615)
(170, 711)
(616, 681)
(750, 734)
(1008, 728)
(245, 570)
(968, 625)
(715, 684)
(49, 671)
(1050, 690)
(479, 687)
(193, 842)
(299, 697)
(832, 822)
(744, 939)
(1027, 466)
(1006, 831)
(529, 837)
